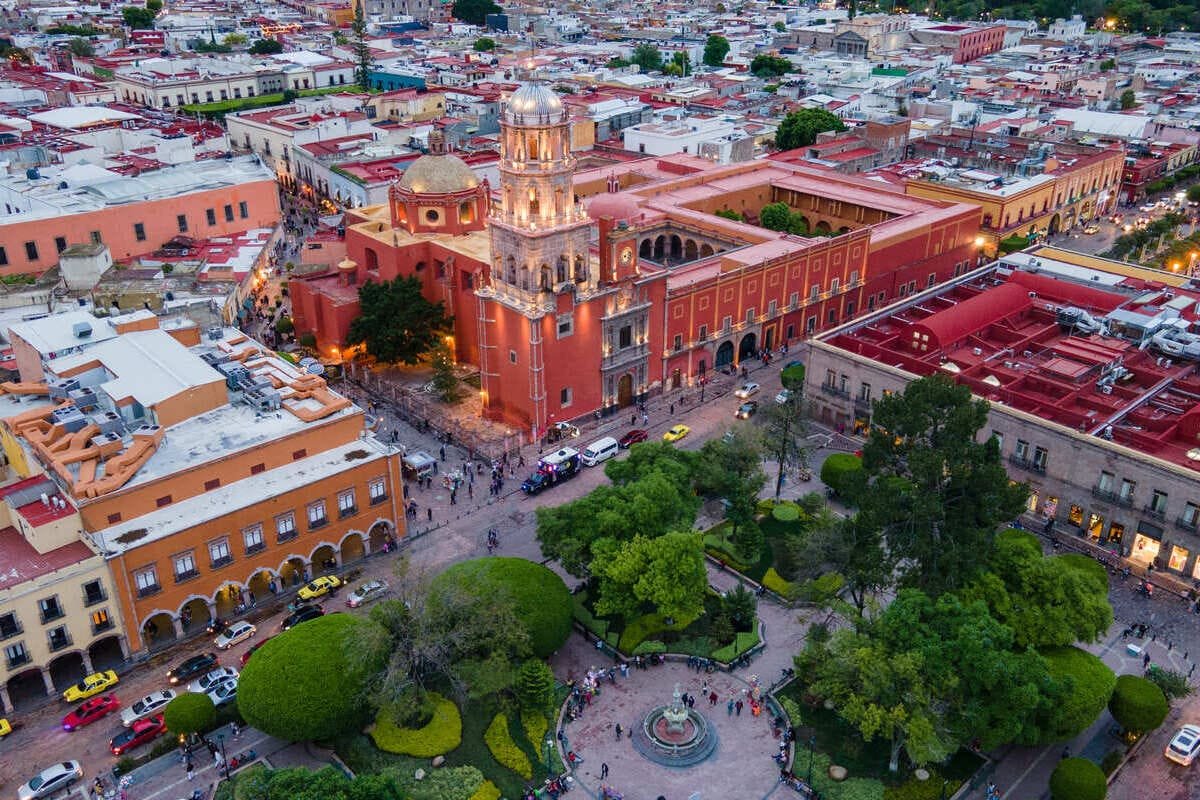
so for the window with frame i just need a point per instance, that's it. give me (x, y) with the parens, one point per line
(218, 551)
(512, 356)
(814, 293)
(93, 592)
(101, 621)
(835, 284)
(702, 334)
(1158, 501)
(146, 581)
(3, 256)
(181, 222)
(377, 490)
(794, 299)
(566, 325)
(316, 514)
(677, 342)
(749, 316)
(31, 251)
(228, 212)
(97, 238)
(564, 396)
(727, 324)
(252, 537)
(60, 243)
(1022, 450)
(50, 608)
(15, 655)
(1040, 456)
(285, 527)
(211, 215)
(9, 626)
(1191, 515)
(346, 504)
(58, 638)
(185, 566)
(139, 231)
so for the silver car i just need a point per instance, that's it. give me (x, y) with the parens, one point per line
(211, 679)
(366, 592)
(50, 780)
(148, 705)
(223, 692)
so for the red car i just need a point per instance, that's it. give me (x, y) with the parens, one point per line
(140, 732)
(91, 710)
(250, 650)
(632, 438)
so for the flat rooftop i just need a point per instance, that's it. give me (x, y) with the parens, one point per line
(1008, 334)
(21, 563)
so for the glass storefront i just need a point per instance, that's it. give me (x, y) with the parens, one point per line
(1076, 515)
(1050, 507)
(1116, 532)
(1032, 504)
(1179, 557)
(1095, 526)
(1145, 549)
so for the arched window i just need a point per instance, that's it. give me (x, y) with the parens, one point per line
(534, 208)
(580, 270)
(510, 271)
(560, 273)
(544, 281)
(466, 213)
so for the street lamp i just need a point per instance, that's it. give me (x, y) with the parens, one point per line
(812, 749)
(547, 749)
(224, 760)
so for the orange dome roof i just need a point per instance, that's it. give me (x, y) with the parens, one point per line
(621, 207)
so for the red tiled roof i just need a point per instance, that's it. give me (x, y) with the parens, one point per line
(22, 563)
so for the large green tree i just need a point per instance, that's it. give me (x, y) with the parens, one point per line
(731, 469)
(1137, 704)
(474, 11)
(845, 546)
(936, 492)
(137, 18)
(775, 216)
(715, 50)
(648, 57)
(189, 713)
(800, 128)
(766, 65)
(364, 59)
(1080, 688)
(266, 47)
(784, 427)
(666, 571)
(396, 322)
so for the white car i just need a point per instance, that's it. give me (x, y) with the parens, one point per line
(50, 780)
(366, 592)
(746, 390)
(223, 692)
(783, 396)
(237, 632)
(149, 705)
(206, 682)
(1185, 745)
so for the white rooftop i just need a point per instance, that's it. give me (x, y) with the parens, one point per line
(55, 333)
(75, 117)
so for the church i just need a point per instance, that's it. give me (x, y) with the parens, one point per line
(583, 291)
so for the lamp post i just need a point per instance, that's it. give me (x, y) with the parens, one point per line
(812, 748)
(224, 760)
(547, 749)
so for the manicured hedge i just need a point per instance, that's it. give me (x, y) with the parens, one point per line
(649, 647)
(442, 734)
(786, 512)
(1086, 684)
(843, 472)
(535, 725)
(1137, 704)
(542, 600)
(742, 641)
(1078, 779)
(775, 582)
(504, 749)
(486, 791)
(190, 712)
(640, 629)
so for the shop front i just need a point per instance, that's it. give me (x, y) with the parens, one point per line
(1146, 544)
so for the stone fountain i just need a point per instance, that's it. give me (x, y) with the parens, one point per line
(674, 735)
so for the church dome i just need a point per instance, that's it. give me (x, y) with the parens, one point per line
(620, 207)
(438, 174)
(534, 103)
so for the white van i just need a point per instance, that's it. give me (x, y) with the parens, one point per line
(600, 450)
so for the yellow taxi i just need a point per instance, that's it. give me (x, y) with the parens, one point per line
(676, 432)
(93, 684)
(5, 727)
(319, 587)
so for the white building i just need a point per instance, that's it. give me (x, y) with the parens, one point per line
(718, 138)
(1067, 29)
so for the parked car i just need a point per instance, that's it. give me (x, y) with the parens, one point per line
(139, 733)
(302, 614)
(253, 649)
(90, 686)
(196, 665)
(50, 780)
(319, 587)
(92, 709)
(1091, 229)
(1184, 746)
(149, 705)
(783, 396)
(6, 727)
(211, 679)
(676, 432)
(365, 593)
(633, 437)
(746, 390)
(561, 430)
(237, 632)
(746, 410)
(223, 692)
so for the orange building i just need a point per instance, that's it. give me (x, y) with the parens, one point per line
(209, 473)
(132, 215)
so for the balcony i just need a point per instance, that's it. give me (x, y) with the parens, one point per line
(11, 630)
(1159, 514)
(59, 642)
(1187, 524)
(863, 405)
(376, 500)
(100, 627)
(258, 547)
(624, 355)
(349, 511)
(286, 536)
(187, 575)
(51, 614)
(18, 660)
(317, 524)
(1110, 496)
(146, 591)
(1028, 464)
(91, 598)
(830, 389)
(222, 561)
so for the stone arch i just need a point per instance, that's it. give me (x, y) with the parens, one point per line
(107, 652)
(646, 249)
(690, 251)
(544, 277)
(526, 279)
(676, 246)
(561, 268)
(1055, 225)
(158, 628)
(198, 613)
(67, 668)
(26, 689)
(748, 347)
(258, 585)
(580, 269)
(724, 355)
(292, 569)
(822, 228)
(660, 247)
(324, 559)
(706, 250)
(352, 547)
(378, 533)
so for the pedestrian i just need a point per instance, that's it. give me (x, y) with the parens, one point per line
(429, 514)
(442, 452)
(191, 770)
(645, 418)
(672, 409)
(729, 707)
(712, 698)
(738, 707)
(633, 419)
(453, 497)
(603, 770)
(620, 731)
(1145, 661)
(235, 728)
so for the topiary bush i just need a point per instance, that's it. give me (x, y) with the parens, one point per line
(443, 783)
(301, 685)
(776, 583)
(1083, 686)
(843, 473)
(541, 599)
(499, 741)
(641, 629)
(535, 725)
(441, 735)
(1078, 779)
(1138, 705)
(786, 512)
(486, 791)
(188, 713)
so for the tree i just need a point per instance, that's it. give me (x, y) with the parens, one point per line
(445, 382)
(728, 213)
(1137, 704)
(1193, 194)
(784, 428)
(137, 18)
(284, 325)
(1078, 779)
(769, 66)
(780, 27)
(1108, 65)
(845, 547)
(154, 5)
(234, 39)
(396, 322)
(1173, 684)
(485, 44)
(309, 682)
(81, 47)
(730, 469)
(774, 216)
(189, 713)
(541, 601)
(474, 11)
(535, 686)
(618, 63)
(843, 473)
(364, 59)
(715, 50)
(800, 128)
(1128, 99)
(667, 572)
(266, 47)
(1081, 688)
(937, 493)
(648, 57)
